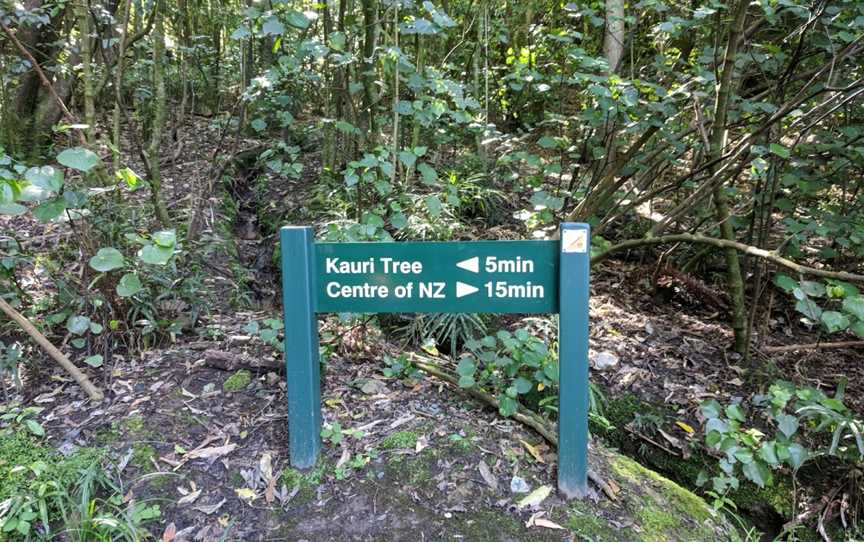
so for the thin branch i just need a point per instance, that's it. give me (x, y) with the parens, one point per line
(42, 77)
(92, 391)
(769, 255)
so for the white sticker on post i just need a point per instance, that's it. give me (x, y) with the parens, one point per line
(574, 241)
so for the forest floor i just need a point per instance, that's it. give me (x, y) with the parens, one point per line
(192, 434)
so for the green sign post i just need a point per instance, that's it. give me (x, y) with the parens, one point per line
(453, 277)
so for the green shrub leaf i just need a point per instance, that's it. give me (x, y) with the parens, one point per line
(107, 259)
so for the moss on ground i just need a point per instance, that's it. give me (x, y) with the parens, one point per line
(663, 509)
(400, 440)
(238, 381)
(306, 482)
(589, 526)
(143, 456)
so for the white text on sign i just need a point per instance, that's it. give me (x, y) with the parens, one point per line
(388, 266)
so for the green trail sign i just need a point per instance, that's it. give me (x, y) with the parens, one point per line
(479, 276)
(453, 277)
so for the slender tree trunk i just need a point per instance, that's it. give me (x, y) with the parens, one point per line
(159, 114)
(396, 95)
(86, 68)
(370, 20)
(717, 140)
(118, 83)
(613, 37)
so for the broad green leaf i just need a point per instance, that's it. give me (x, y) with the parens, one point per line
(787, 424)
(786, 283)
(854, 306)
(858, 328)
(768, 453)
(107, 259)
(834, 321)
(507, 406)
(129, 285)
(298, 20)
(398, 220)
(13, 209)
(165, 238)
(94, 361)
(45, 177)
(779, 150)
(467, 381)
(429, 175)
(78, 324)
(259, 125)
(744, 456)
(535, 497)
(408, 158)
(809, 308)
(711, 409)
(35, 427)
(546, 142)
(272, 27)
(240, 33)
(522, 385)
(337, 41)
(78, 158)
(155, 255)
(466, 367)
(813, 289)
(797, 455)
(433, 204)
(50, 210)
(734, 412)
(758, 473)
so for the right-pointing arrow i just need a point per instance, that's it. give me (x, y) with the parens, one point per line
(463, 289)
(471, 264)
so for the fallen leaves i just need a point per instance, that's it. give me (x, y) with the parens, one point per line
(246, 494)
(487, 475)
(534, 451)
(210, 508)
(536, 497)
(537, 520)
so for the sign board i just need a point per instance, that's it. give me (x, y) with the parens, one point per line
(454, 277)
(462, 276)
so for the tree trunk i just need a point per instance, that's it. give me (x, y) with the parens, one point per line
(613, 37)
(86, 46)
(118, 83)
(35, 110)
(159, 113)
(370, 20)
(717, 141)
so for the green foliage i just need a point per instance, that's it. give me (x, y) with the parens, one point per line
(10, 359)
(835, 305)
(791, 428)
(335, 434)
(510, 365)
(270, 331)
(399, 440)
(400, 368)
(46, 495)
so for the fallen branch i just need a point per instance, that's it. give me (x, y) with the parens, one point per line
(771, 256)
(522, 415)
(92, 391)
(813, 346)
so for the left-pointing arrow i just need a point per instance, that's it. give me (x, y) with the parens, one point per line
(463, 289)
(471, 264)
